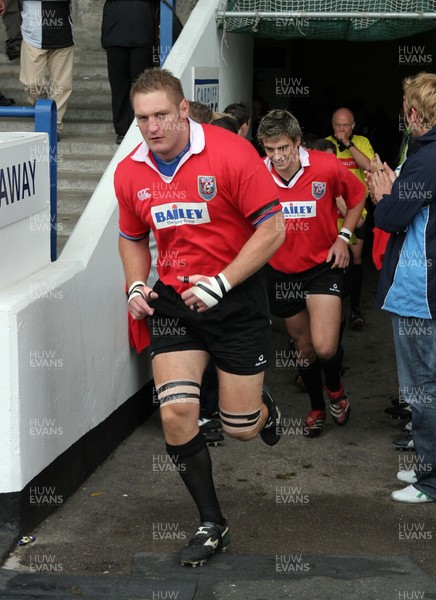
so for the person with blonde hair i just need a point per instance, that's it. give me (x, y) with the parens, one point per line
(406, 208)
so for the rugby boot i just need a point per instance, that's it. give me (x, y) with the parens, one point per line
(357, 321)
(339, 406)
(208, 539)
(272, 430)
(314, 423)
(208, 422)
(404, 443)
(399, 412)
(213, 438)
(405, 425)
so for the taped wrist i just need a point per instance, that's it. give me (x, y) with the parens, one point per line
(345, 234)
(212, 291)
(134, 291)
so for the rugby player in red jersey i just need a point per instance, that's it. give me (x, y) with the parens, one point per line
(306, 274)
(205, 194)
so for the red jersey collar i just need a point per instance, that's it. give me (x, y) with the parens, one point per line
(197, 143)
(305, 162)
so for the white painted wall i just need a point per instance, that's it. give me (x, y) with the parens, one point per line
(201, 45)
(65, 361)
(24, 205)
(66, 365)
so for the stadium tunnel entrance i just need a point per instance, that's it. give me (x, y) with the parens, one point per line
(314, 56)
(311, 78)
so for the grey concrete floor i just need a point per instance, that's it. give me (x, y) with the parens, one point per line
(302, 499)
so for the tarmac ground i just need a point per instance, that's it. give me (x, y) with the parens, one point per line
(309, 518)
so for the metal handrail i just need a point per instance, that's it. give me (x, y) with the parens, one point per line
(307, 14)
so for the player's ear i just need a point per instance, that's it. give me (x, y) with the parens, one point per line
(184, 108)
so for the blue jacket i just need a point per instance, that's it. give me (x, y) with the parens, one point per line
(407, 284)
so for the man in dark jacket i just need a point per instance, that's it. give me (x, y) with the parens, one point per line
(127, 35)
(12, 23)
(406, 207)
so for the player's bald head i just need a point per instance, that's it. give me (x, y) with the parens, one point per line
(343, 115)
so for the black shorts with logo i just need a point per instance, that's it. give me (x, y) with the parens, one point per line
(287, 293)
(236, 332)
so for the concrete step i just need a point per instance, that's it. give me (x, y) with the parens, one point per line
(73, 201)
(81, 84)
(102, 145)
(66, 223)
(93, 68)
(71, 204)
(88, 128)
(88, 98)
(78, 181)
(87, 143)
(82, 163)
(17, 124)
(88, 113)
(80, 99)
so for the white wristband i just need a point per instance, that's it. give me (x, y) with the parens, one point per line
(344, 237)
(346, 231)
(134, 294)
(225, 281)
(136, 284)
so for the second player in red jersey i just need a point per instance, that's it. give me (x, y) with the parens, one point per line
(309, 208)
(306, 274)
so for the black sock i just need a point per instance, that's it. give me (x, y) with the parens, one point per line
(332, 369)
(311, 376)
(342, 329)
(356, 286)
(195, 468)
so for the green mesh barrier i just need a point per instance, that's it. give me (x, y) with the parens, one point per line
(328, 26)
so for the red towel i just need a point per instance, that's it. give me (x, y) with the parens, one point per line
(379, 246)
(139, 334)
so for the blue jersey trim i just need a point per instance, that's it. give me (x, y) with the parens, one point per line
(264, 218)
(134, 239)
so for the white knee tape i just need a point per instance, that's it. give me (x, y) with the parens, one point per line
(176, 392)
(240, 422)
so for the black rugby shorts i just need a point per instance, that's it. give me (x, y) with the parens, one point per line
(236, 332)
(287, 293)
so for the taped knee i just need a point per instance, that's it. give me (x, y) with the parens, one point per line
(234, 423)
(176, 392)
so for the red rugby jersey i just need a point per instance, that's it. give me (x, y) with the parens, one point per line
(309, 209)
(203, 214)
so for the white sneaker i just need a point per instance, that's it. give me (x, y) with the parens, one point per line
(410, 495)
(407, 476)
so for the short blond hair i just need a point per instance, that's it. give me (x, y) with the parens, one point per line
(158, 80)
(420, 93)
